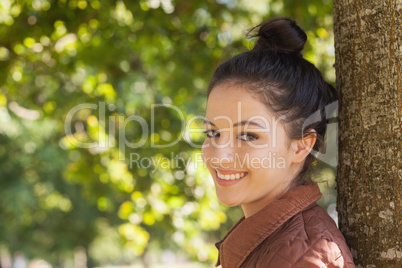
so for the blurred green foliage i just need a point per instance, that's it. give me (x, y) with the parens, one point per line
(124, 57)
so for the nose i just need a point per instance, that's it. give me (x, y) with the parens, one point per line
(223, 152)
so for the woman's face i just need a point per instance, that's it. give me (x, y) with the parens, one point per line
(253, 157)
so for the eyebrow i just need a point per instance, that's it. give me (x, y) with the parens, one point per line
(244, 122)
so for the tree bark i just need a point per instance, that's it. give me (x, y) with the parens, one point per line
(368, 49)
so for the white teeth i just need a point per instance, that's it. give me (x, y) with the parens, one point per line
(231, 176)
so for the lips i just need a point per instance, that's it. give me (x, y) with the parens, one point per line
(231, 176)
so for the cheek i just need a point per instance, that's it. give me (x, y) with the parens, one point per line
(258, 159)
(265, 159)
(206, 151)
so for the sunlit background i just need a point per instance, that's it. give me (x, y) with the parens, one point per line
(78, 198)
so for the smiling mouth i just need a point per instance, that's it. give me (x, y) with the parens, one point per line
(234, 176)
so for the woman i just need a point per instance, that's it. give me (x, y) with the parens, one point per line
(258, 151)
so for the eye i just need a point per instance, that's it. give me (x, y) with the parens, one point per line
(250, 136)
(208, 131)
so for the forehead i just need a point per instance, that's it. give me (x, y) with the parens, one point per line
(236, 103)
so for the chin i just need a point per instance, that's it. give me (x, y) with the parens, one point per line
(227, 201)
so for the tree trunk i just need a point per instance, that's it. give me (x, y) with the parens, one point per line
(368, 49)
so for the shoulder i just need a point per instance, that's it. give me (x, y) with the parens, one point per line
(323, 253)
(309, 239)
(318, 253)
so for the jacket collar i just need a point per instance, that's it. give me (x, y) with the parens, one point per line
(249, 232)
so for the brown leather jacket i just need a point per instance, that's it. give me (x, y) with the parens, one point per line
(292, 231)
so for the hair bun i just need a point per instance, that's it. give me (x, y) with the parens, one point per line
(280, 34)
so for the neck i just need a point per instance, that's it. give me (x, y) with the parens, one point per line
(250, 209)
(253, 207)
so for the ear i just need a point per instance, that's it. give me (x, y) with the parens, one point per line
(303, 147)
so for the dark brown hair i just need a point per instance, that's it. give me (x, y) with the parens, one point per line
(276, 74)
